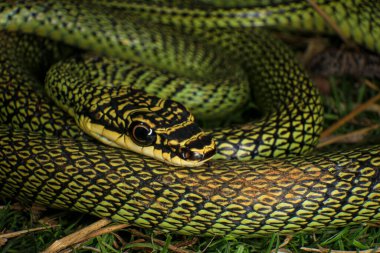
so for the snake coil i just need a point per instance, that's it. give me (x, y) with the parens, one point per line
(46, 159)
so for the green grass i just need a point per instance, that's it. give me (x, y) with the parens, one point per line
(346, 95)
(348, 238)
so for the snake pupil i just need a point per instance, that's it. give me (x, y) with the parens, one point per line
(142, 134)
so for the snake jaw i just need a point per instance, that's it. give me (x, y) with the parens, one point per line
(193, 152)
(192, 158)
(97, 131)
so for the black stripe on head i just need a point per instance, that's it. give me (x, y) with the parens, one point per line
(171, 113)
(110, 112)
(183, 133)
(200, 142)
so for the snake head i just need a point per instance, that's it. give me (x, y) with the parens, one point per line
(159, 128)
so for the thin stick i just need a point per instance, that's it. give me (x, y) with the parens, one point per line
(371, 85)
(79, 236)
(329, 21)
(350, 116)
(354, 134)
(22, 232)
(338, 251)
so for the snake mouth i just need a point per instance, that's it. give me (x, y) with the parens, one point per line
(190, 155)
(194, 154)
(192, 151)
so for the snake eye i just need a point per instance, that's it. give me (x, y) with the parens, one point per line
(142, 134)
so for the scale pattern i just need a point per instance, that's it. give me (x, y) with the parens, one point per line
(281, 14)
(293, 119)
(23, 104)
(237, 198)
(221, 198)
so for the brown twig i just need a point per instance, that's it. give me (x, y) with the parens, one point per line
(208, 245)
(5, 236)
(350, 116)
(330, 22)
(187, 243)
(324, 250)
(19, 207)
(283, 244)
(371, 85)
(357, 135)
(286, 241)
(96, 229)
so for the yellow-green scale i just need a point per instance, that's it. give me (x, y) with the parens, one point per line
(222, 198)
(237, 198)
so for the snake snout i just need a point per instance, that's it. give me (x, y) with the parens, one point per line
(199, 150)
(191, 155)
(188, 154)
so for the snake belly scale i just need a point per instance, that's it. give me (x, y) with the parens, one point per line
(51, 162)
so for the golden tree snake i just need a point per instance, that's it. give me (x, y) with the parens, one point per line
(46, 159)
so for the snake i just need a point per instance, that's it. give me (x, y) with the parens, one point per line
(47, 159)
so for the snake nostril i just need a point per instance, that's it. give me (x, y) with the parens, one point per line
(187, 154)
(196, 156)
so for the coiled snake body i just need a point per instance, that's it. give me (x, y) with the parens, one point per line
(239, 198)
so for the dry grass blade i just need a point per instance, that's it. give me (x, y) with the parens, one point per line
(76, 237)
(281, 248)
(330, 22)
(324, 250)
(350, 116)
(371, 85)
(5, 236)
(352, 137)
(187, 243)
(84, 234)
(288, 238)
(20, 207)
